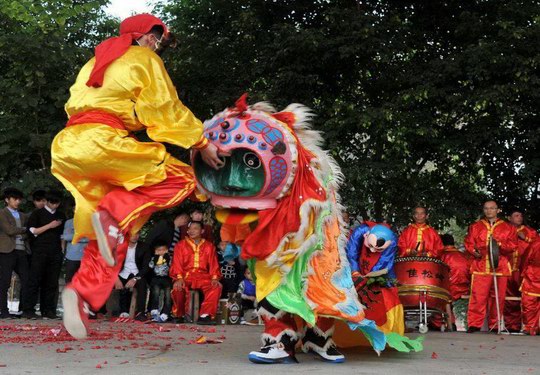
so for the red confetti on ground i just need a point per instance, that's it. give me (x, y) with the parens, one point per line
(434, 355)
(98, 365)
(151, 337)
(65, 349)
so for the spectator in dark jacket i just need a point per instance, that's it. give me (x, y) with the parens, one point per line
(133, 276)
(45, 227)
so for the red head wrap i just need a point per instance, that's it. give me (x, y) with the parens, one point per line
(132, 28)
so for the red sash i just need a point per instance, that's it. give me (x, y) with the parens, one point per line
(99, 117)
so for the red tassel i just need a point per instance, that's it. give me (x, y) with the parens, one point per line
(241, 104)
(286, 117)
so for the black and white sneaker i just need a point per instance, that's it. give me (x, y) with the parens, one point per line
(274, 353)
(331, 354)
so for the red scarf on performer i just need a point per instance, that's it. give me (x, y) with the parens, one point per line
(132, 28)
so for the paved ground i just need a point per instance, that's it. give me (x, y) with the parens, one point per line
(41, 347)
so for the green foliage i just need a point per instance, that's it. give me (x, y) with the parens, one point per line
(42, 46)
(420, 102)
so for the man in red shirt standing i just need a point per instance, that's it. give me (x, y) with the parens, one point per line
(420, 239)
(530, 289)
(477, 243)
(195, 266)
(526, 235)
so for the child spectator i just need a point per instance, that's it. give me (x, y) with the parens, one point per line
(231, 269)
(247, 293)
(160, 282)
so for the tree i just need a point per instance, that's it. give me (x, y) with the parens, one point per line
(42, 46)
(421, 102)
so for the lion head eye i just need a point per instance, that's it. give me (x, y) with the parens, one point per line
(252, 161)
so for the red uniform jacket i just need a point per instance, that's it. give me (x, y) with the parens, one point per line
(531, 270)
(192, 260)
(477, 239)
(430, 242)
(519, 256)
(460, 275)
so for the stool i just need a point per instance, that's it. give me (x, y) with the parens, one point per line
(113, 303)
(194, 305)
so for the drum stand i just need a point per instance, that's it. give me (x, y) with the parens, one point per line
(501, 328)
(423, 324)
(424, 313)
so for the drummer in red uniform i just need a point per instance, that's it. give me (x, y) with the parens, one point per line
(476, 243)
(530, 289)
(526, 235)
(460, 264)
(420, 239)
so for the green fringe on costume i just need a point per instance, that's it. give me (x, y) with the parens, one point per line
(403, 343)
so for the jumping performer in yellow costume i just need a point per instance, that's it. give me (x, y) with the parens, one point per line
(117, 181)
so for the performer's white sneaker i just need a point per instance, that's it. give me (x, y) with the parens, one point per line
(274, 353)
(75, 314)
(331, 354)
(108, 235)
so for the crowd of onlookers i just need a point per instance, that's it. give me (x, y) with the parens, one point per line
(36, 246)
(179, 255)
(31, 246)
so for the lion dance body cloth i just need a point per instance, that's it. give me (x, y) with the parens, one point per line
(278, 170)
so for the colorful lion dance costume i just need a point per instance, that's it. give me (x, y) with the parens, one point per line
(279, 175)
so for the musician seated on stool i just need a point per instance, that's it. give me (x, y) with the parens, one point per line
(420, 239)
(195, 266)
(486, 266)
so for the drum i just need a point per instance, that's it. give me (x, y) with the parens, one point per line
(423, 280)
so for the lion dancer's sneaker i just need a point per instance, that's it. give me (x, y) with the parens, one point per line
(318, 340)
(279, 338)
(108, 235)
(75, 313)
(275, 352)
